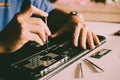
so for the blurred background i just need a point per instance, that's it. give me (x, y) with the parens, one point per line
(92, 10)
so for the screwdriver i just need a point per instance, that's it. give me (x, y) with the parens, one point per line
(94, 64)
(46, 36)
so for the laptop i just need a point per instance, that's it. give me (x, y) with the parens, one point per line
(34, 62)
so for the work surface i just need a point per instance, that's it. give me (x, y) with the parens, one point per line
(110, 62)
(98, 12)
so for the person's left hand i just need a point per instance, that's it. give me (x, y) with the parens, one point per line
(81, 35)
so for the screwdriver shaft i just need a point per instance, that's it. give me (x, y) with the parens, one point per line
(46, 36)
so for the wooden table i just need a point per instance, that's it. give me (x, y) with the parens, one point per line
(104, 13)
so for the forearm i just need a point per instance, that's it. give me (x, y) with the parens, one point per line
(7, 39)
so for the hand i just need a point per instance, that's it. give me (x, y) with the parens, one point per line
(23, 28)
(81, 34)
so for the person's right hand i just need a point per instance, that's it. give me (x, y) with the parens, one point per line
(23, 28)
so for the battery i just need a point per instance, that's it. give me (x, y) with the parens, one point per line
(100, 53)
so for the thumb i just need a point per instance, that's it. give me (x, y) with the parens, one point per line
(60, 31)
(33, 10)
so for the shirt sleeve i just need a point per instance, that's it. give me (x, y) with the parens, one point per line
(44, 5)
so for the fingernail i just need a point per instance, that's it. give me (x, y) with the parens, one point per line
(49, 33)
(42, 44)
(84, 47)
(52, 36)
(92, 47)
(75, 44)
(46, 14)
(99, 43)
(44, 40)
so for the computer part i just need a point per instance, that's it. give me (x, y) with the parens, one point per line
(35, 63)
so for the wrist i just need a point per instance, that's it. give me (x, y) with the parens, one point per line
(76, 17)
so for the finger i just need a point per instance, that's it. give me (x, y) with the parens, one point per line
(42, 35)
(76, 34)
(36, 38)
(33, 20)
(38, 21)
(83, 37)
(90, 40)
(95, 38)
(47, 30)
(36, 29)
(60, 31)
(34, 10)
